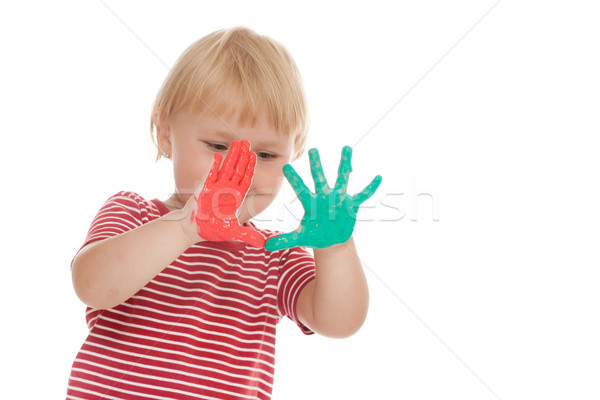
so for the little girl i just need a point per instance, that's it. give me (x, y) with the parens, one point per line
(183, 298)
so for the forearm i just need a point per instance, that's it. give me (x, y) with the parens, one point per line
(340, 296)
(107, 272)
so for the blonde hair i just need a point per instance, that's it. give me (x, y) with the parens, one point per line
(236, 62)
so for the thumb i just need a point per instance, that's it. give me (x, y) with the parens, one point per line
(250, 236)
(285, 241)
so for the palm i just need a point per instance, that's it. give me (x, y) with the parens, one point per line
(223, 193)
(216, 213)
(329, 213)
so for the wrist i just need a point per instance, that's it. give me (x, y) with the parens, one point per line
(186, 224)
(334, 248)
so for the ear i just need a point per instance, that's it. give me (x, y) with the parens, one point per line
(163, 136)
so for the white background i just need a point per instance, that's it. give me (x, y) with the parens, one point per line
(493, 122)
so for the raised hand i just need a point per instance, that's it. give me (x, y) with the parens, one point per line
(223, 193)
(329, 213)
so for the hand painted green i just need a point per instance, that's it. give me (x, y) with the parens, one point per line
(329, 213)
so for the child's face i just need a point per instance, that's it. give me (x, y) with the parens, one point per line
(192, 139)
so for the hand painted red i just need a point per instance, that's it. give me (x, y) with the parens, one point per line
(223, 193)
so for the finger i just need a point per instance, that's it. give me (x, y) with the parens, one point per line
(214, 170)
(316, 169)
(230, 160)
(302, 191)
(285, 241)
(367, 192)
(344, 170)
(242, 162)
(247, 179)
(251, 236)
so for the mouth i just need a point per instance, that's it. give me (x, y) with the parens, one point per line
(259, 192)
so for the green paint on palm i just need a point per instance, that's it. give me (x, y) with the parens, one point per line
(329, 213)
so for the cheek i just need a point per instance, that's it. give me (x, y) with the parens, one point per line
(191, 171)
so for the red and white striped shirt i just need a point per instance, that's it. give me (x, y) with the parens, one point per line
(203, 328)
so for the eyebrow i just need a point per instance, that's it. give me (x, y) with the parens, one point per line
(228, 135)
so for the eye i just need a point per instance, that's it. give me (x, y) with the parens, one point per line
(216, 146)
(265, 156)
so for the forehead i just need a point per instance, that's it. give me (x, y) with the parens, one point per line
(230, 126)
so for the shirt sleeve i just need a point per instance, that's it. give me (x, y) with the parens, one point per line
(297, 268)
(120, 213)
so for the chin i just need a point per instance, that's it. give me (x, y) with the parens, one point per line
(253, 205)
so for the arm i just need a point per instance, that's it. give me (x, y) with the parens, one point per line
(335, 303)
(107, 272)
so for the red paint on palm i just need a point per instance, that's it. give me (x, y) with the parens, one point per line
(223, 193)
